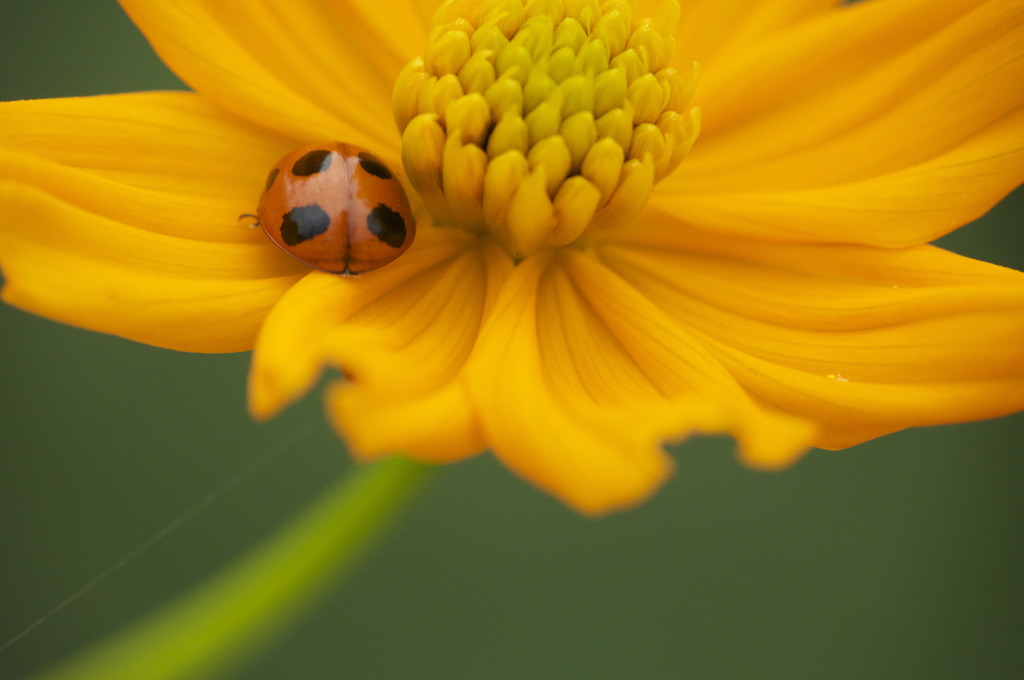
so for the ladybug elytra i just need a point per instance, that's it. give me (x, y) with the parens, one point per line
(336, 207)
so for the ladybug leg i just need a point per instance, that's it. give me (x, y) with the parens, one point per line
(249, 220)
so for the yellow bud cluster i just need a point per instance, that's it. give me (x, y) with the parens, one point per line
(539, 120)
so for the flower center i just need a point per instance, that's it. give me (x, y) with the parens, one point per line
(541, 120)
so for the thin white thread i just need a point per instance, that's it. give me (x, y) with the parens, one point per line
(169, 528)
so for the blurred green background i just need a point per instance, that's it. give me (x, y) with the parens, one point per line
(898, 559)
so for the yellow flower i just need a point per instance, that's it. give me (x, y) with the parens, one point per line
(579, 292)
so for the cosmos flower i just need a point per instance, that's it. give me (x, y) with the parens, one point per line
(635, 221)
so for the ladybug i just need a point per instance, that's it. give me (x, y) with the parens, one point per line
(336, 207)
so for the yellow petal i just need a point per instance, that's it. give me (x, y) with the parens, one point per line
(166, 162)
(907, 123)
(400, 334)
(710, 30)
(75, 267)
(862, 341)
(120, 214)
(896, 43)
(579, 379)
(313, 70)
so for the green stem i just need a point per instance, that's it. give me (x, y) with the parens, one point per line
(228, 616)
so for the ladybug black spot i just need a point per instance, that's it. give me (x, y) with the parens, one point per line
(270, 178)
(303, 223)
(372, 165)
(387, 225)
(312, 163)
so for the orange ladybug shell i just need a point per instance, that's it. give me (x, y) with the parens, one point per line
(336, 207)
